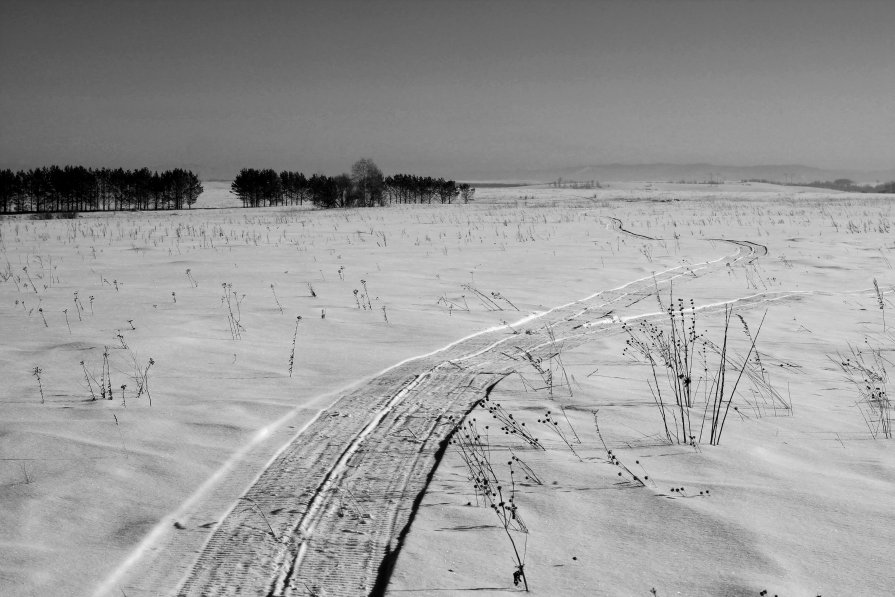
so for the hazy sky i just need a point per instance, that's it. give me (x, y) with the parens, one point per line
(446, 87)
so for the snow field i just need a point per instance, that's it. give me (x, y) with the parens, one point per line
(84, 482)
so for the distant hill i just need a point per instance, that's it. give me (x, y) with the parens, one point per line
(699, 173)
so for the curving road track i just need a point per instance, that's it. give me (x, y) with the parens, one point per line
(328, 516)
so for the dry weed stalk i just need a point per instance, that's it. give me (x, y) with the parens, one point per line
(451, 305)
(232, 301)
(36, 373)
(77, 306)
(294, 338)
(488, 302)
(613, 459)
(141, 377)
(89, 383)
(553, 425)
(369, 305)
(675, 350)
(475, 451)
(120, 436)
(509, 424)
(105, 380)
(720, 381)
(867, 370)
(881, 302)
(276, 300)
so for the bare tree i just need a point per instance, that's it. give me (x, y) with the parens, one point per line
(367, 182)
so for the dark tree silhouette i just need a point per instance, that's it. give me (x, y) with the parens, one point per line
(257, 188)
(364, 186)
(295, 187)
(10, 190)
(367, 183)
(76, 188)
(466, 192)
(447, 190)
(322, 190)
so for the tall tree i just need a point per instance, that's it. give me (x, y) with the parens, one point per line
(367, 182)
(194, 188)
(322, 191)
(342, 185)
(466, 192)
(9, 190)
(243, 186)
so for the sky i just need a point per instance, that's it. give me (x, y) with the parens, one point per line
(456, 88)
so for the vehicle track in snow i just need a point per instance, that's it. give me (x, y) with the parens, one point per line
(328, 515)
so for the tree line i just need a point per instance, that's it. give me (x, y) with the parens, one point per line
(840, 184)
(559, 183)
(76, 188)
(364, 186)
(846, 184)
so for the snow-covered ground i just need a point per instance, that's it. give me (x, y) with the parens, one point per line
(798, 499)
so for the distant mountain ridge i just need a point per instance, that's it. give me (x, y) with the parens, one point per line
(702, 172)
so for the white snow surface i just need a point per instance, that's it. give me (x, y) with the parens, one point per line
(798, 503)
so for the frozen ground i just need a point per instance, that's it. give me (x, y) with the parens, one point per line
(95, 493)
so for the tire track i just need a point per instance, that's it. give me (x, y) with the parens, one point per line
(327, 516)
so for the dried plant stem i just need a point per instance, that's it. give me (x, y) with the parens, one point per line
(718, 425)
(36, 373)
(867, 370)
(106, 377)
(261, 512)
(89, 383)
(475, 451)
(120, 436)
(882, 303)
(294, 338)
(279, 306)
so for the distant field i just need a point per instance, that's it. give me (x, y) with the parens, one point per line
(217, 194)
